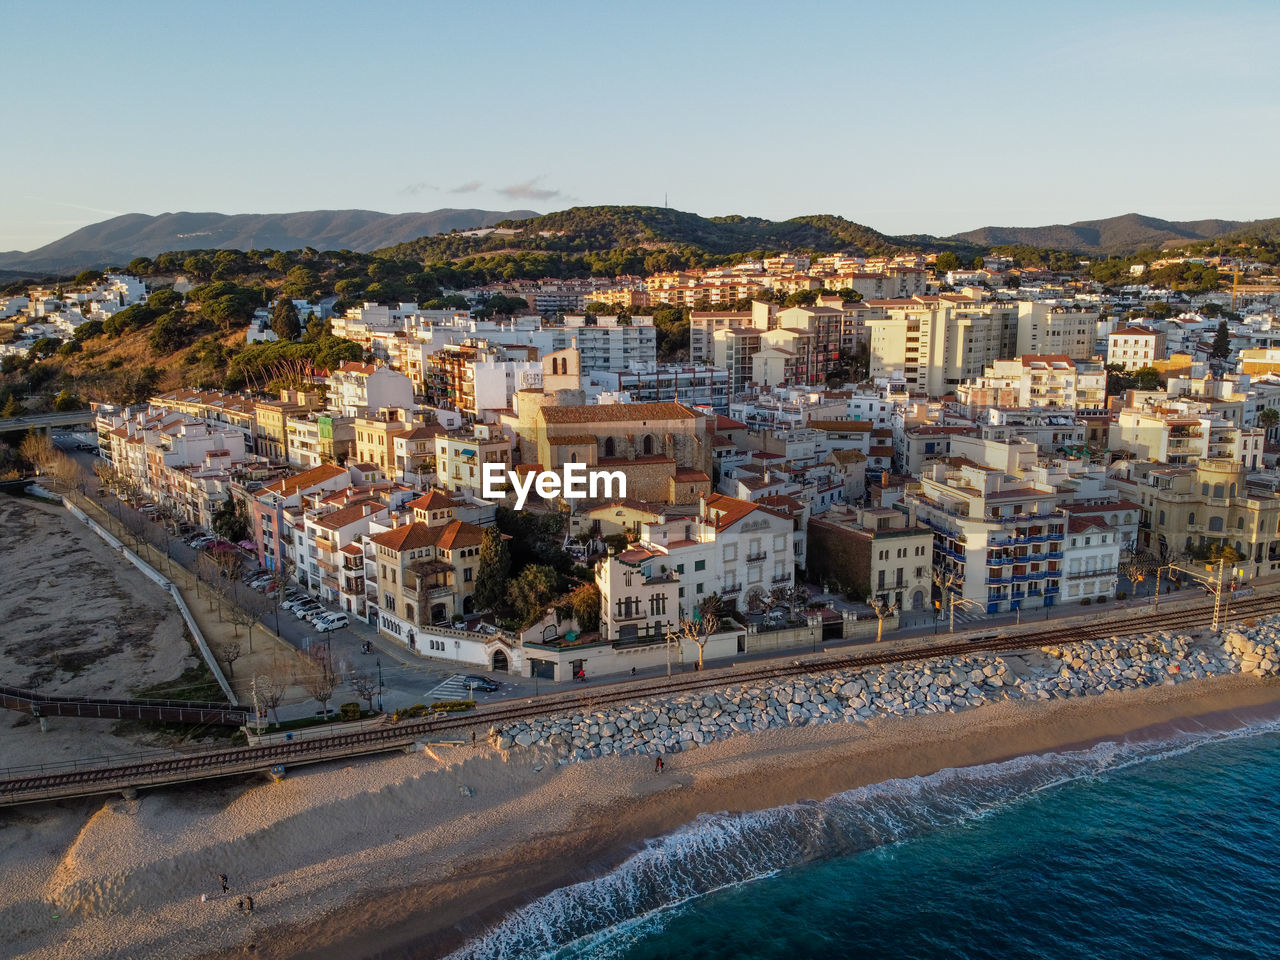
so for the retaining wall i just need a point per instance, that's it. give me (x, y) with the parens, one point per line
(152, 574)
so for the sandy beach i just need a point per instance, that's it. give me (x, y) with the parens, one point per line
(367, 858)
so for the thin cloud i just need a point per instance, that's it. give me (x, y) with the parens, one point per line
(414, 189)
(529, 190)
(471, 186)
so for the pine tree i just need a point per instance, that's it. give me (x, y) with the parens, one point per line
(493, 571)
(11, 409)
(285, 322)
(1222, 341)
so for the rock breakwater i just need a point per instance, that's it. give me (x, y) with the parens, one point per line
(943, 684)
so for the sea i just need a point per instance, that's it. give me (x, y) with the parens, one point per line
(1166, 846)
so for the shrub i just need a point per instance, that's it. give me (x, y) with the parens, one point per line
(1103, 599)
(349, 711)
(1085, 602)
(453, 706)
(1121, 595)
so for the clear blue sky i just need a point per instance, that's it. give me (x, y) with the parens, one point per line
(908, 117)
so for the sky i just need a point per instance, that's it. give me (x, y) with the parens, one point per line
(915, 117)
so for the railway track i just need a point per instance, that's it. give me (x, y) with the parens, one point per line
(233, 761)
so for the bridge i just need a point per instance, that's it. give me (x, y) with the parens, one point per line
(44, 422)
(162, 711)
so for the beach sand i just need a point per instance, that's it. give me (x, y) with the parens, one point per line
(367, 858)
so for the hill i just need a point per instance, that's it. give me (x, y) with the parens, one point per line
(120, 239)
(1119, 235)
(594, 229)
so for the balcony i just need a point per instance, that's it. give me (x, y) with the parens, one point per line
(756, 557)
(729, 591)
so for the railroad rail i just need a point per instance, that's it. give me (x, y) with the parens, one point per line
(234, 761)
(165, 711)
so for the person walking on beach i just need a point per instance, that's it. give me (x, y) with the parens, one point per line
(240, 904)
(222, 878)
(249, 904)
(657, 765)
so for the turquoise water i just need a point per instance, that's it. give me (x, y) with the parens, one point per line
(1165, 848)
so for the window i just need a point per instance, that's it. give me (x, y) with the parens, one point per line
(1215, 524)
(699, 589)
(699, 565)
(1191, 519)
(466, 575)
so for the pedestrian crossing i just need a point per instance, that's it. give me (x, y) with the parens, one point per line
(454, 688)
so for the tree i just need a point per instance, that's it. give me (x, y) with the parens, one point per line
(229, 521)
(37, 449)
(531, 591)
(1137, 567)
(1221, 341)
(946, 262)
(318, 679)
(270, 692)
(366, 687)
(230, 654)
(704, 622)
(793, 597)
(284, 320)
(586, 607)
(12, 407)
(67, 401)
(1268, 419)
(493, 570)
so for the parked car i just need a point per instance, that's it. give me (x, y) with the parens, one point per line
(483, 684)
(333, 621)
(292, 603)
(199, 543)
(261, 581)
(303, 610)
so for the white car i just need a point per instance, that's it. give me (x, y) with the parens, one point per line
(332, 621)
(304, 611)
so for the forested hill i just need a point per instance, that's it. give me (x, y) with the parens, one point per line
(692, 238)
(1116, 235)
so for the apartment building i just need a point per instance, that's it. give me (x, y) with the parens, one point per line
(1134, 347)
(997, 539)
(873, 552)
(355, 388)
(271, 432)
(316, 438)
(328, 553)
(694, 385)
(1180, 433)
(1033, 382)
(273, 534)
(1050, 328)
(934, 344)
(460, 456)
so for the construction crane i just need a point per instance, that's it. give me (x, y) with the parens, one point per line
(1235, 282)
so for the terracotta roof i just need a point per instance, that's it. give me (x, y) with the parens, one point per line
(726, 511)
(573, 439)
(618, 413)
(414, 536)
(688, 475)
(288, 486)
(1083, 524)
(433, 500)
(348, 514)
(728, 423)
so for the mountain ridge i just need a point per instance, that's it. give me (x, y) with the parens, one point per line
(116, 241)
(1126, 233)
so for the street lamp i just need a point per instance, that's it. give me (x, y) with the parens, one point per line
(379, 663)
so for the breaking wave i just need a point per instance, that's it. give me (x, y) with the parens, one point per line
(601, 918)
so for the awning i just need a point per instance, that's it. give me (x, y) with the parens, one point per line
(468, 453)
